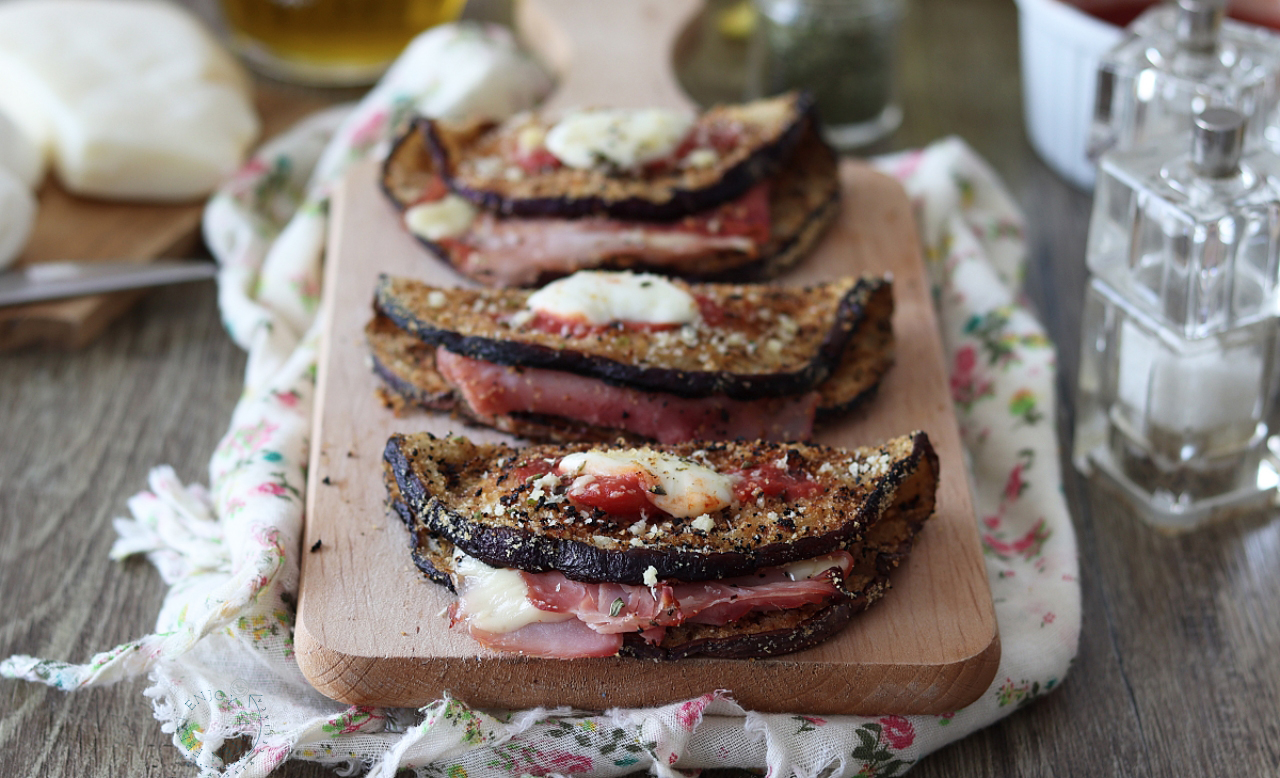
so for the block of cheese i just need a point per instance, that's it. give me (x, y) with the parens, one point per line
(17, 216)
(19, 154)
(129, 99)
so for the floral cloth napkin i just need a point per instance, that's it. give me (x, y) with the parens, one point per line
(221, 664)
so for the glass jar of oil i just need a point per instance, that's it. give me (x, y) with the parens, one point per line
(329, 42)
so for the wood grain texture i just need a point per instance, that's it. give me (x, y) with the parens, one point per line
(1178, 668)
(370, 629)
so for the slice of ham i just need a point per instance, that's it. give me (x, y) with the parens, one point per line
(601, 620)
(509, 251)
(492, 390)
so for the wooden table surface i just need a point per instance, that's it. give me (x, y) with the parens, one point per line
(1179, 664)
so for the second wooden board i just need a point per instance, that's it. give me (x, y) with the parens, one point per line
(371, 629)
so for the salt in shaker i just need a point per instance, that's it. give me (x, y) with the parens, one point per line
(1178, 376)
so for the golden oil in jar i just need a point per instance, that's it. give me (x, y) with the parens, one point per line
(330, 42)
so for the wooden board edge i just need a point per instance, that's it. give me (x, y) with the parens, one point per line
(794, 688)
(949, 683)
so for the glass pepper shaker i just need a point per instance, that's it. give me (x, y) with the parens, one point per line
(1178, 59)
(1178, 381)
(842, 52)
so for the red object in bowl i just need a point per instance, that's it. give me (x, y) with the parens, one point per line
(1117, 12)
(1122, 12)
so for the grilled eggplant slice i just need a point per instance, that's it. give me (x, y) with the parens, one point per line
(407, 367)
(878, 550)
(770, 341)
(803, 200)
(476, 162)
(473, 495)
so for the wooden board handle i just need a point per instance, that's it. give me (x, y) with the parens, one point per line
(609, 52)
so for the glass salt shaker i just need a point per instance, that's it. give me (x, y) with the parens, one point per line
(842, 52)
(1178, 59)
(1177, 395)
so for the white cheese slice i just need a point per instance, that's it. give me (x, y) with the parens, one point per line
(601, 297)
(17, 216)
(448, 217)
(496, 599)
(131, 99)
(808, 568)
(687, 488)
(19, 154)
(616, 137)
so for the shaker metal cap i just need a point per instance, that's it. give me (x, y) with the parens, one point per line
(1198, 23)
(1217, 141)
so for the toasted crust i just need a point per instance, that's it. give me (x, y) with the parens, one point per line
(406, 366)
(883, 546)
(454, 488)
(474, 163)
(804, 200)
(772, 341)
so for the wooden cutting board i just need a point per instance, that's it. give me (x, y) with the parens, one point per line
(79, 228)
(371, 629)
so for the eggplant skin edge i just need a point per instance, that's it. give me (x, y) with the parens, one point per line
(509, 547)
(734, 181)
(684, 383)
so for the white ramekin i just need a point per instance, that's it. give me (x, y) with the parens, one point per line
(1060, 47)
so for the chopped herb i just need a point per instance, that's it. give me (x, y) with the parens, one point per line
(616, 607)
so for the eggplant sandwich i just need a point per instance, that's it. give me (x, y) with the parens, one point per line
(732, 550)
(740, 191)
(606, 354)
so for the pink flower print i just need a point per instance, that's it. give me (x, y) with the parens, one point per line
(369, 131)
(288, 399)
(275, 490)
(992, 522)
(898, 731)
(966, 386)
(1014, 486)
(690, 713)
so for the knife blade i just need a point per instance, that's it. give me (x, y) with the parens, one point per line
(58, 280)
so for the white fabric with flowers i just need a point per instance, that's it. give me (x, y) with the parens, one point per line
(221, 663)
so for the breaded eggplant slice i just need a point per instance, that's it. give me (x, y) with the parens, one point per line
(804, 199)
(407, 367)
(769, 340)
(883, 547)
(476, 163)
(473, 495)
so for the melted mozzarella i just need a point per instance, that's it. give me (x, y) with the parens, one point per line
(808, 568)
(626, 139)
(447, 217)
(687, 488)
(496, 599)
(601, 297)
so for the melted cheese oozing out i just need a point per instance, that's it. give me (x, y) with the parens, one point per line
(447, 217)
(689, 489)
(496, 599)
(808, 568)
(626, 139)
(601, 297)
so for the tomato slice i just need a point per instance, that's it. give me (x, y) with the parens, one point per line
(623, 496)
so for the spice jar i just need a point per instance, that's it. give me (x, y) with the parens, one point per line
(842, 52)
